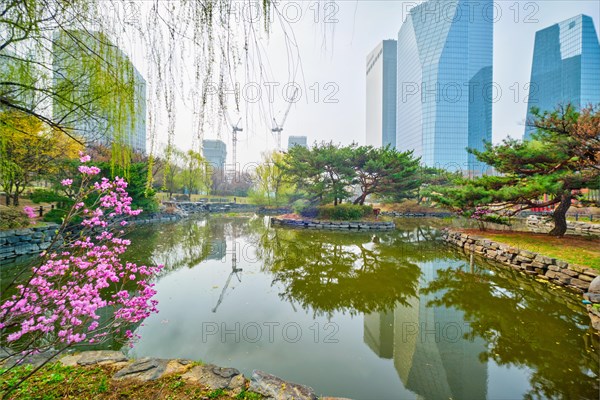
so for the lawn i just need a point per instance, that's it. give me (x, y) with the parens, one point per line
(572, 249)
(56, 381)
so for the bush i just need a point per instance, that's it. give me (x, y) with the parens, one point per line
(56, 215)
(299, 205)
(309, 212)
(344, 212)
(46, 196)
(12, 218)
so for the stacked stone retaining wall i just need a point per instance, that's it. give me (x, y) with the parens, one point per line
(545, 224)
(399, 214)
(560, 272)
(27, 241)
(575, 277)
(334, 225)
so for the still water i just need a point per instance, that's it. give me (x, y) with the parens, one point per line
(390, 315)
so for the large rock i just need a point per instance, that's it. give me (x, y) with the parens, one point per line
(101, 357)
(149, 369)
(18, 359)
(595, 285)
(216, 377)
(275, 388)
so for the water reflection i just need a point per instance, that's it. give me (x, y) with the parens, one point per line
(430, 346)
(424, 321)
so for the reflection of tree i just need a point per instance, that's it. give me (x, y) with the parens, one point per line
(186, 243)
(525, 325)
(337, 271)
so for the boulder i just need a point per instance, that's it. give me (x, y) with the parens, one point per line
(149, 369)
(276, 388)
(216, 377)
(101, 357)
(595, 285)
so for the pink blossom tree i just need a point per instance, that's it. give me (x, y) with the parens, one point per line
(56, 304)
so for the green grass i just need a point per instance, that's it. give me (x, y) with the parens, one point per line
(56, 381)
(596, 219)
(577, 250)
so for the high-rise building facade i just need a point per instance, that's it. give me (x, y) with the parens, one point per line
(444, 83)
(297, 141)
(110, 117)
(381, 95)
(565, 68)
(215, 152)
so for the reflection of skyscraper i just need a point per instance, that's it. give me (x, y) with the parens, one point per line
(378, 333)
(444, 76)
(566, 67)
(430, 354)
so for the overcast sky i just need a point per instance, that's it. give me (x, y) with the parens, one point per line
(333, 60)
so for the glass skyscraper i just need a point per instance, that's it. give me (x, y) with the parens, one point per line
(381, 95)
(566, 67)
(71, 69)
(444, 82)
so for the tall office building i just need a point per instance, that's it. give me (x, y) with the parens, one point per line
(566, 67)
(215, 152)
(297, 141)
(89, 106)
(444, 83)
(381, 95)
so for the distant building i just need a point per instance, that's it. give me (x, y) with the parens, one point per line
(444, 81)
(73, 70)
(297, 141)
(566, 67)
(12, 68)
(381, 95)
(215, 152)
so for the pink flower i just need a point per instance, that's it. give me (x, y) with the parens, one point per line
(84, 169)
(80, 280)
(84, 157)
(29, 211)
(66, 182)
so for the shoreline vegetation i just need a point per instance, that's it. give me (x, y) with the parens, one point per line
(106, 374)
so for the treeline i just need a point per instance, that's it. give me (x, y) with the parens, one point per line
(327, 173)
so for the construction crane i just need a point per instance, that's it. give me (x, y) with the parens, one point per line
(277, 128)
(234, 130)
(234, 271)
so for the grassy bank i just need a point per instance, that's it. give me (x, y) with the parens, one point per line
(577, 250)
(60, 382)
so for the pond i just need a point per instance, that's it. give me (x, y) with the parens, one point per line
(362, 315)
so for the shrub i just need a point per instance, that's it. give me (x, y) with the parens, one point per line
(344, 211)
(12, 218)
(56, 215)
(46, 196)
(309, 212)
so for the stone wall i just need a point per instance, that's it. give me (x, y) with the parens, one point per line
(573, 276)
(577, 278)
(190, 207)
(399, 214)
(545, 224)
(334, 225)
(27, 241)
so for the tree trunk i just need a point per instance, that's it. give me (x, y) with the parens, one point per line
(361, 199)
(560, 216)
(15, 199)
(7, 196)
